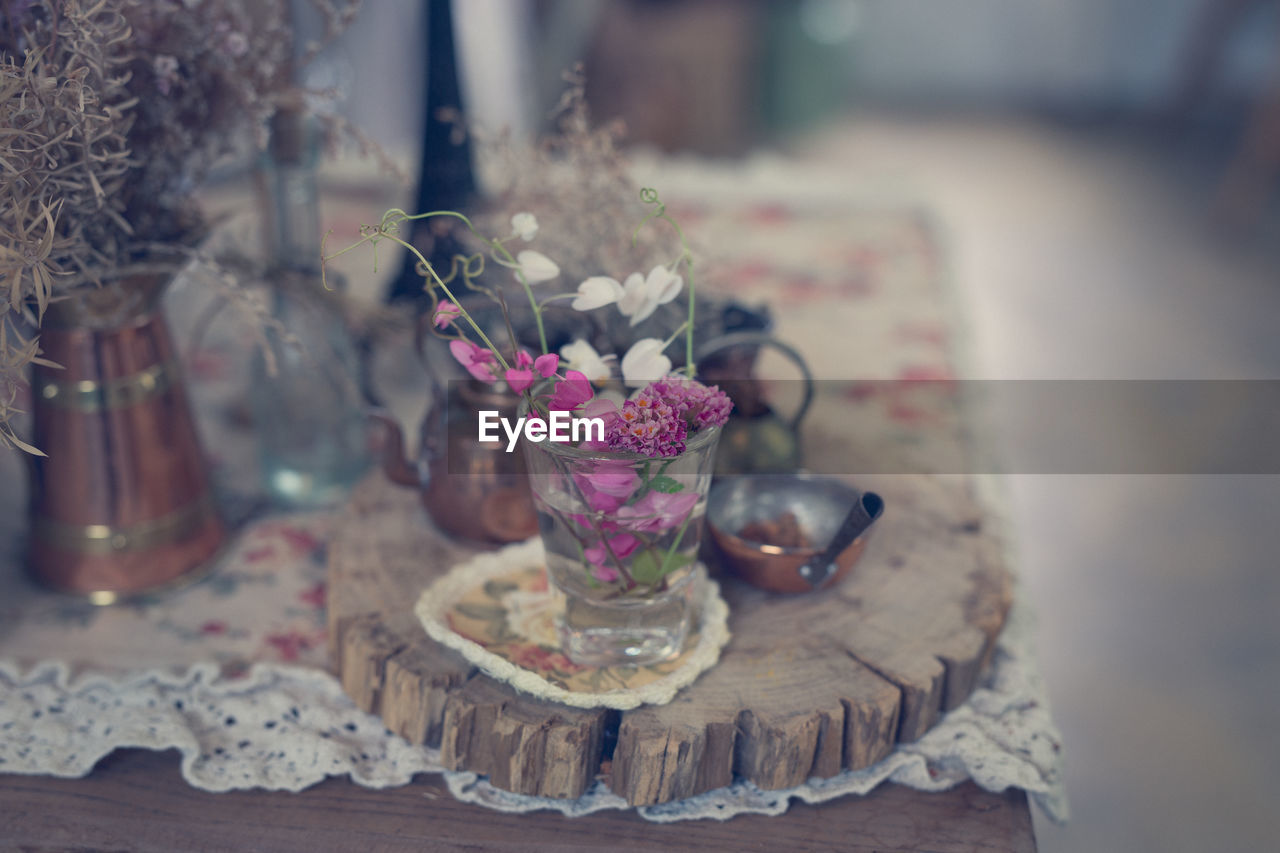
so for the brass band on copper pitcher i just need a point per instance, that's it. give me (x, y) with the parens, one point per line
(88, 395)
(105, 539)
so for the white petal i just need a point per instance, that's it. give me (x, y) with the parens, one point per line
(632, 295)
(612, 395)
(644, 362)
(662, 285)
(644, 311)
(578, 351)
(536, 266)
(580, 355)
(596, 292)
(524, 226)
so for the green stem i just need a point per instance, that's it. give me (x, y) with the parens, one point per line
(533, 302)
(674, 335)
(440, 283)
(395, 215)
(648, 481)
(690, 368)
(650, 196)
(556, 298)
(666, 560)
(564, 471)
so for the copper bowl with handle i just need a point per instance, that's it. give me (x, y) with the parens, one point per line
(821, 506)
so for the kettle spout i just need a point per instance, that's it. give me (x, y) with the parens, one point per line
(389, 447)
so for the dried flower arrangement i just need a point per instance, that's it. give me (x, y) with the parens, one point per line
(113, 112)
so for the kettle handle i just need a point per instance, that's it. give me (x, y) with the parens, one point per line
(735, 339)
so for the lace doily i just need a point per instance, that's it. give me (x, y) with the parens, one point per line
(527, 609)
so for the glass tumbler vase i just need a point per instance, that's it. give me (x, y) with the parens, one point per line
(621, 533)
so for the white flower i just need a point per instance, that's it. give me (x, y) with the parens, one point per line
(597, 292)
(536, 267)
(583, 357)
(644, 362)
(524, 226)
(642, 295)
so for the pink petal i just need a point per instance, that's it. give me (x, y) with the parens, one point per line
(578, 385)
(571, 392)
(519, 379)
(658, 511)
(546, 365)
(523, 359)
(614, 480)
(462, 352)
(604, 574)
(478, 361)
(624, 545)
(446, 312)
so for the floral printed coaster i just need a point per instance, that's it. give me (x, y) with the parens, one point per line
(498, 611)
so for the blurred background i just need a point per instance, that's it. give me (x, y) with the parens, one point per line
(1102, 176)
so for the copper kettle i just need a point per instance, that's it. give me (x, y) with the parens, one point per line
(756, 440)
(472, 490)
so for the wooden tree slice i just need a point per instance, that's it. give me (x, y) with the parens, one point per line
(809, 685)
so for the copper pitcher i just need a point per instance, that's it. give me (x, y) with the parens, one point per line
(121, 504)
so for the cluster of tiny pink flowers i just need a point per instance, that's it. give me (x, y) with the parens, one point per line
(648, 427)
(700, 406)
(659, 419)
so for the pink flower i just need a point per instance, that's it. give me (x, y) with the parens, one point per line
(657, 421)
(214, 627)
(607, 485)
(604, 574)
(700, 405)
(478, 361)
(571, 392)
(546, 365)
(603, 524)
(446, 313)
(520, 377)
(605, 410)
(658, 511)
(649, 427)
(622, 546)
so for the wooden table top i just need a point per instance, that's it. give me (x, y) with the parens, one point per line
(137, 801)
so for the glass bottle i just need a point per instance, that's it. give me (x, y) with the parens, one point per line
(306, 398)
